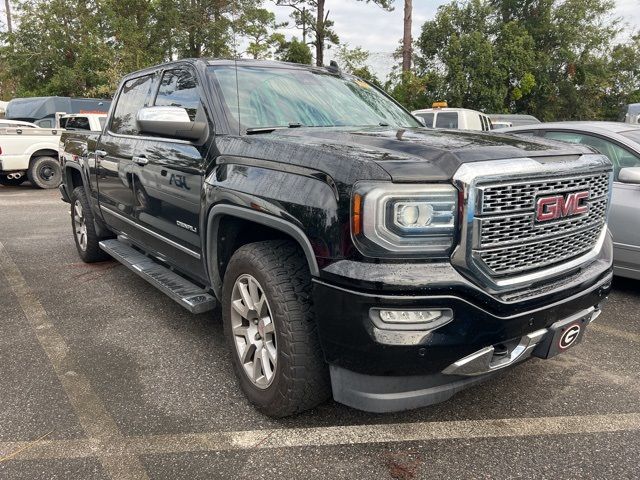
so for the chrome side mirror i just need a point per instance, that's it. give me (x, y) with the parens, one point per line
(170, 122)
(629, 175)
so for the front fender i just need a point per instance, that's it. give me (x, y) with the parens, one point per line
(303, 204)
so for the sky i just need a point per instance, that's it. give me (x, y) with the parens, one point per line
(370, 27)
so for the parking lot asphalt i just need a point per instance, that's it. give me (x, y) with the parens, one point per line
(102, 376)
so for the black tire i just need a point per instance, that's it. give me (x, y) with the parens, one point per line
(301, 377)
(12, 182)
(89, 250)
(45, 172)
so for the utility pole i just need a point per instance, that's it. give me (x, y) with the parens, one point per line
(407, 40)
(320, 33)
(304, 25)
(8, 9)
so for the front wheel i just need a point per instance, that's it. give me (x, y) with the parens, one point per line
(84, 230)
(270, 328)
(45, 172)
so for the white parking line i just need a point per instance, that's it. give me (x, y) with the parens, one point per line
(328, 436)
(91, 413)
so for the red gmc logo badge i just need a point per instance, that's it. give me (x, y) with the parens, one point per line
(560, 206)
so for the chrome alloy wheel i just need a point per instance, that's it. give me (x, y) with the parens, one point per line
(253, 330)
(80, 225)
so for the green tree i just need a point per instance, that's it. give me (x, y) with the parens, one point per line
(258, 25)
(56, 49)
(556, 59)
(295, 51)
(354, 61)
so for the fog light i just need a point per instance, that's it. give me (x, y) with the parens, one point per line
(411, 319)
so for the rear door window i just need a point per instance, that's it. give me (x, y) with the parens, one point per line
(447, 120)
(132, 98)
(178, 89)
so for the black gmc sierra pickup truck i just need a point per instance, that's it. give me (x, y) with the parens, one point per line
(352, 250)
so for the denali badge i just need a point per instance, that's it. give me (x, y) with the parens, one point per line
(559, 206)
(569, 337)
(186, 226)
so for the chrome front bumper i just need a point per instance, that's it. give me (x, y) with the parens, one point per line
(488, 360)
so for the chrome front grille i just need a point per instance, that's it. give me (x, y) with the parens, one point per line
(514, 197)
(503, 230)
(508, 240)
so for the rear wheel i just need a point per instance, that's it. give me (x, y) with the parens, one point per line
(45, 172)
(84, 230)
(270, 328)
(11, 182)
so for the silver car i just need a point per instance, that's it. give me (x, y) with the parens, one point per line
(621, 143)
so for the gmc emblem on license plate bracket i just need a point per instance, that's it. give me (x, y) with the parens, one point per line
(561, 206)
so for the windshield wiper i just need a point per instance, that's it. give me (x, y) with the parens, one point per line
(258, 130)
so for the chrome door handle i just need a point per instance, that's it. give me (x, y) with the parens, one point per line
(142, 161)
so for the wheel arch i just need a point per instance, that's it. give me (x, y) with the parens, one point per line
(73, 177)
(263, 226)
(43, 152)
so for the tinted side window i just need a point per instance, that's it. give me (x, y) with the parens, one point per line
(132, 98)
(178, 89)
(447, 120)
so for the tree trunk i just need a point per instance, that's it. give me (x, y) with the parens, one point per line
(320, 34)
(8, 9)
(407, 49)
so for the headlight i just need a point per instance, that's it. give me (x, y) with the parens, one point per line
(390, 220)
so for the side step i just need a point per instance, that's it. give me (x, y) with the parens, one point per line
(190, 296)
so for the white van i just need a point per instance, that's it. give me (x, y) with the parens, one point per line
(456, 118)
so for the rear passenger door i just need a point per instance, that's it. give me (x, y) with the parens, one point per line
(114, 157)
(168, 175)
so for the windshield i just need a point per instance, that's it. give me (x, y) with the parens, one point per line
(282, 97)
(632, 134)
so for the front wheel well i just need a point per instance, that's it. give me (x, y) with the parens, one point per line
(230, 227)
(234, 232)
(74, 178)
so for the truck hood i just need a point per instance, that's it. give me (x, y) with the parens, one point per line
(417, 154)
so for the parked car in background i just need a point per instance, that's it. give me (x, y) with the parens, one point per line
(621, 143)
(352, 250)
(454, 118)
(29, 153)
(514, 119)
(4, 123)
